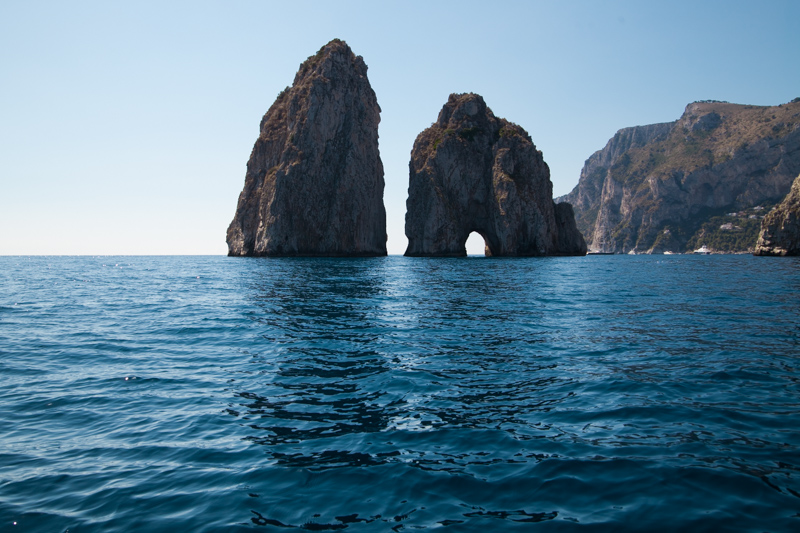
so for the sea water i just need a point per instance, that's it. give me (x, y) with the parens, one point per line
(386, 394)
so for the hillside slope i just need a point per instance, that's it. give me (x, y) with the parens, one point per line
(705, 179)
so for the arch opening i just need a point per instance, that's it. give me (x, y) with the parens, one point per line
(476, 244)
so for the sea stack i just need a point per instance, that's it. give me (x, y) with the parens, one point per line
(780, 229)
(314, 182)
(473, 172)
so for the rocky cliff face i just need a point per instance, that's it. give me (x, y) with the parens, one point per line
(780, 230)
(471, 171)
(314, 182)
(699, 180)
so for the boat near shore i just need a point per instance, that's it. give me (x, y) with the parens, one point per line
(703, 250)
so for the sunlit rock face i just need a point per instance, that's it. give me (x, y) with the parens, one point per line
(780, 229)
(673, 186)
(471, 171)
(314, 182)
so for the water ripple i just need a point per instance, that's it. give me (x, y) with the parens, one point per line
(624, 393)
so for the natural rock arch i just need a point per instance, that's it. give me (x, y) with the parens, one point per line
(489, 247)
(473, 172)
(476, 243)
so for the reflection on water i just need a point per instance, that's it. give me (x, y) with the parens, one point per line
(520, 376)
(354, 348)
(320, 330)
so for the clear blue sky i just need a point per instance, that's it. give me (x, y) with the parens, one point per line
(125, 127)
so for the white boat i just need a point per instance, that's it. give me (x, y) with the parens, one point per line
(703, 250)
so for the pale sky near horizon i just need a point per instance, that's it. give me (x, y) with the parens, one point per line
(125, 128)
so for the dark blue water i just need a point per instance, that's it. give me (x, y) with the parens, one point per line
(216, 394)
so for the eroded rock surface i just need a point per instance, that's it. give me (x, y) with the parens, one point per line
(780, 229)
(471, 171)
(314, 182)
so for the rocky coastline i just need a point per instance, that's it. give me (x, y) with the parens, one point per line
(314, 182)
(705, 179)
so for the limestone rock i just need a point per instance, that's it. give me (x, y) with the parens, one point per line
(471, 171)
(671, 186)
(780, 229)
(314, 182)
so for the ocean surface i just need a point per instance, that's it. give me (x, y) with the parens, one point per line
(601, 393)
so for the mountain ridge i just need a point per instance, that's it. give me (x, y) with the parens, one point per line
(657, 187)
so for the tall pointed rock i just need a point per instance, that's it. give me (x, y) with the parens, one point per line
(314, 182)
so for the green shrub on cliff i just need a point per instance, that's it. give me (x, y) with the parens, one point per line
(741, 238)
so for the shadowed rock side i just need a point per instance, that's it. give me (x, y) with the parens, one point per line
(780, 229)
(314, 182)
(471, 171)
(701, 180)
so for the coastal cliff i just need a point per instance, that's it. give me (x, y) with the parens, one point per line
(314, 182)
(471, 171)
(705, 179)
(780, 230)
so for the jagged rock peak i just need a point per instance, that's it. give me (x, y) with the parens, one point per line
(332, 61)
(314, 182)
(780, 229)
(471, 171)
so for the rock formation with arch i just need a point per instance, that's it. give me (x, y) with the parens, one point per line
(471, 171)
